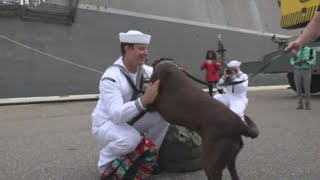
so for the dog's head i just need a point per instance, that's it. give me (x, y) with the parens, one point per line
(157, 61)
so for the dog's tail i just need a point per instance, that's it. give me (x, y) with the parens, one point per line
(250, 129)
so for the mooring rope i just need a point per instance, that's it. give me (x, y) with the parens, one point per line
(50, 55)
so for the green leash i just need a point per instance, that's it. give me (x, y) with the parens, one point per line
(253, 75)
(272, 60)
(281, 53)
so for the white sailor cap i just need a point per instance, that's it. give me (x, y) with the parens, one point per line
(234, 63)
(135, 37)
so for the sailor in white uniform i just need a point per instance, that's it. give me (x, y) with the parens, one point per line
(235, 96)
(119, 102)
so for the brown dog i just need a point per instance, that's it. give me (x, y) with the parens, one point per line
(181, 102)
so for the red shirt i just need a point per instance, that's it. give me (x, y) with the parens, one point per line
(212, 71)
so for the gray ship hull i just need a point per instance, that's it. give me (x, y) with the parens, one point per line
(92, 42)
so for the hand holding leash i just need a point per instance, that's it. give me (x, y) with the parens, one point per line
(299, 63)
(293, 48)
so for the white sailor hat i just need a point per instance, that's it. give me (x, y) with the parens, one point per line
(135, 37)
(234, 63)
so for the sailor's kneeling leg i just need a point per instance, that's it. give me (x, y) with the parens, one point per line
(136, 165)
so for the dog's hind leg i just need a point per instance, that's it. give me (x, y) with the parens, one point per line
(232, 169)
(232, 163)
(216, 156)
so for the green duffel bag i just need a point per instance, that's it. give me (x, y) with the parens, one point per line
(180, 150)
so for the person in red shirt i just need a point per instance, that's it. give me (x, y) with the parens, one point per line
(212, 66)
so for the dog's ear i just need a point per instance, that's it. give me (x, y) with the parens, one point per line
(155, 62)
(165, 59)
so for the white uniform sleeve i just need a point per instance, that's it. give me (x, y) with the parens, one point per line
(221, 80)
(119, 111)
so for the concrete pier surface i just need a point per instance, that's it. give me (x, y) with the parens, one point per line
(54, 141)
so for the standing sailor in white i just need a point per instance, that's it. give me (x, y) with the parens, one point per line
(119, 102)
(235, 96)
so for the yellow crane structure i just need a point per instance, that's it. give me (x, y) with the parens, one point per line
(295, 14)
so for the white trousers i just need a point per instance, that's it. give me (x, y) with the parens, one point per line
(123, 139)
(236, 104)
